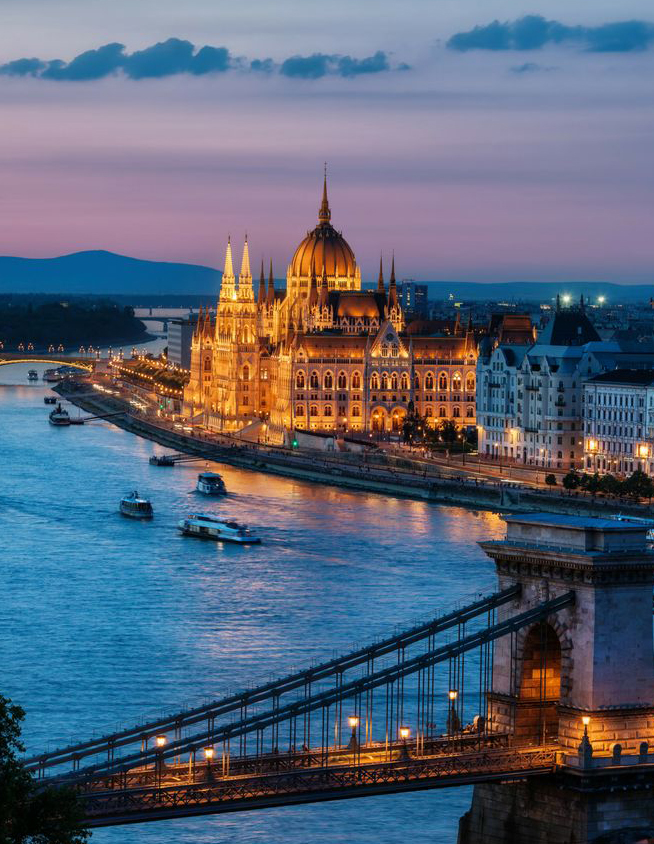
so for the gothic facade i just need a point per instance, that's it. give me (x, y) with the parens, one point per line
(323, 355)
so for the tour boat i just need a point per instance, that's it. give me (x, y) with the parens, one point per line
(49, 400)
(135, 506)
(211, 527)
(161, 460)
(210, 483)
(32, 375)
(52, 375)
(59, 416)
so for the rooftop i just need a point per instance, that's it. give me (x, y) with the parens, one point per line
(635, 377)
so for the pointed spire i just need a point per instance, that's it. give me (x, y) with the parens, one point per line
(380, 280)
(261, 297)
(324, 215)
(324, 286)
(229, 268)
(198, 325)
(271, 286)
(313, 292)
(245, 262)
(227, 287)
(392, 288)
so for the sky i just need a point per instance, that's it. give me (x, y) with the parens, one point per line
(479, 141)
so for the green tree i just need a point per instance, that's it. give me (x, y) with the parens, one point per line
(550, 480)
(610, 485)
(448, 431)
(638, 485)
(571, 480)
(30, 814)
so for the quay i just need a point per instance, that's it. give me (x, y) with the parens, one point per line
(381, 473)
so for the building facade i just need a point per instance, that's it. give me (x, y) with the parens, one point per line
(180, 339)
(323, 355)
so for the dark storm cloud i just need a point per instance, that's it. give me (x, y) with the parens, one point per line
(175, 56)
(534, 31)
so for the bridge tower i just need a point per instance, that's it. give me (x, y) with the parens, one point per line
(584, 679)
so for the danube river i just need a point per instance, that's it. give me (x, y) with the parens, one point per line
(104, 618)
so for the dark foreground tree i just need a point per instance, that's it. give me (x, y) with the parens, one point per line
(30, 814)
(550, 480)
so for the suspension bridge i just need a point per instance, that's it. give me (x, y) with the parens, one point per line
(485, 694)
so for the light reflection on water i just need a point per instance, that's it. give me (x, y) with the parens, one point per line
(104, 618)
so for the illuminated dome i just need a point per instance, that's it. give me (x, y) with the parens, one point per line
(323, 245)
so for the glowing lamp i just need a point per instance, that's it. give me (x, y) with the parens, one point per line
(592, 445)
(453, 694)
(353, 721)
(209, 753)
(585, 720)
(404, 733)
(160, 741)
(643, 451)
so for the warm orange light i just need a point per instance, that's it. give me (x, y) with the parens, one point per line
(405, 732)
(585, 720)
(353, 721)
(592, 445)
(160, 741)
(643, 451)
(208, 753)
(453, 694)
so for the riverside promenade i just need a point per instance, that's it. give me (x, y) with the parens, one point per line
(379, 472)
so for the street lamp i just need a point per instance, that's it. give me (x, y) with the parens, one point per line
(453, 723)
(404, 732)
(353, 721)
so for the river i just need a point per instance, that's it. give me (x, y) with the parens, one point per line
(104, 618)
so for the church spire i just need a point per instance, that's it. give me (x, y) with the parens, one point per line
(227, 287)
(324, 286)
(313, 292)
(324, 215)
(245, 261)
(380, 280)
(271, 287)
(261, 297)
(392, 288)
(245, 290)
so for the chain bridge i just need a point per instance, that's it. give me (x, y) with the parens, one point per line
(537, 685)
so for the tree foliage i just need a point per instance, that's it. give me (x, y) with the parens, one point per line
(30, 814)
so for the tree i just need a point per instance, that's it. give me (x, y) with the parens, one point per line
(638, 485)
(30, 814)
(448, 431)
(571, 480)
(610, 485)
(550, 480)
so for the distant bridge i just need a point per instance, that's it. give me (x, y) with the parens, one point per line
(7, 358)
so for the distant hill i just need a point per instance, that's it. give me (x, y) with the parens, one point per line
(101, 272)
(106, 273)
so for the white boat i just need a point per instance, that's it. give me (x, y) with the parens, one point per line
(211, 527)
(59, 416)
(135, 506)
(637, 520)
(32, 375)
(52, 375)
(210, 483)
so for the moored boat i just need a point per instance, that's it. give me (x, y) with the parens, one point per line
(59, 416)
(49, 400)
(32, 375)
(211, 483)
(136, 506)
(205, 526)
(161, 460)
(52, 375)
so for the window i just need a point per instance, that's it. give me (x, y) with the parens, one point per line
(356, 411)
(442, 412)
(313, 410)
(395, 350)
(416, 382)
(329, 379)
(207, 363)
(456, 382)
(299, 381)
(470, 412)
(384, 381)
(456, 412)
(429, 381)
(246, 373)
(299, 410)
(428, 412)
(374, 381)
(328, 410)
(356, 381)
(384, 350)
(405, 381)
(314, 380)
(442, 381)
(470, 382)
(394, 381)
(342, 381)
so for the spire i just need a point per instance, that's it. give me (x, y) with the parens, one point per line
(392, 288)
(324, 215)
(324, 286)
(271, 287)
(313, 292)
(558, 302)
(245, 262)
(198, 325)
(261, 298)
(229, 269)
(380, 280)
(227, 287)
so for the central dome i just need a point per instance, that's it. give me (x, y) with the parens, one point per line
(323, 246)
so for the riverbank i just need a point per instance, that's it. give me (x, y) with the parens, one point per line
(378, 472)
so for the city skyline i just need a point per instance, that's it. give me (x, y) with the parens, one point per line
(501, 154)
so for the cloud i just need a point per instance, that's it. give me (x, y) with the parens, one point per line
(321, 64)
(533, 32)
(530, 67)
(175, 56)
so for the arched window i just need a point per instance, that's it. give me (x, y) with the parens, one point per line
(442, 412)
(299, 381)
(456, 412)
(384, 381)
(395, 350)
(328, 410)
(442, 381)
(384, 350)
(356, 381)
(313, 410)
(329, 380)
(429, 381)
(374, 381)
(356, 410)
(428, 412)
(207, 363)
(299, 410)
(246, 373)
(313, 381)
(416, 381)
(470, 382)
(342, 381)
(456, 382)
(470, 412)
(405, 381)
(394, 381)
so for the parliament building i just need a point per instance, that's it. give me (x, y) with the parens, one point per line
(322, 355)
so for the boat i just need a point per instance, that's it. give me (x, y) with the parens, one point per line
(637, 520)
(161, 460)
(210, 483)
(52, 375)
(32, 375)
(135, 506)
(49, 400)
(59, 416)
(210, 527)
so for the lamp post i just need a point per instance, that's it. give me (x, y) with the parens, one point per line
(405, 732)
(453, 723)
(585, 748)
(208, 755)
(160, 743)
(353, 722)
